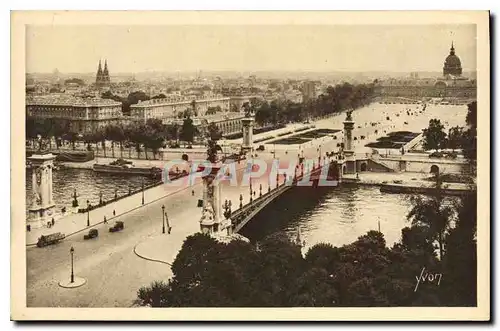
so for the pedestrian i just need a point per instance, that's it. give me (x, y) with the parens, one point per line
(105, 220)
(192, 193)
(114, 212)
(53, 221)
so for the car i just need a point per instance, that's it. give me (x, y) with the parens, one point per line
(261, 148)
(451, 155)
(436, 155)
(117, 227)
(50, 239)
(93, 233)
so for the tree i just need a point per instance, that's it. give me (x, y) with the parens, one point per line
(172, 131)
(159, 96)
(433, 213)
(455, 136)
(72, 137)
(212, 150)
(188, 130)
(213, 132)
(460, 260)
(132, 99)
(114, 133)
(434, 136)
(471, 118)
(469, 138)
(155, 295)
(78, 81)
(273, 272)
(154, 136)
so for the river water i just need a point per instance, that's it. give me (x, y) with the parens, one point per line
(331, 215)
(88, 185)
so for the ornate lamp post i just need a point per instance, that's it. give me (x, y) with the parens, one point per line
(75, 201)
(163, 215)
(88, 213)
(319, 155)
(142, 188)
(251, 191)
(71, 251)
(168, 223)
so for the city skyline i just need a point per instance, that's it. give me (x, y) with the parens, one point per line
(306, 48)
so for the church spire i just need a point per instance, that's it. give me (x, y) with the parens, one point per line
(105, 72)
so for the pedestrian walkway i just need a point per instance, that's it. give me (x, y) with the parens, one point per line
(77, 222)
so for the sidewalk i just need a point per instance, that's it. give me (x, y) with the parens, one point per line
(77, 222)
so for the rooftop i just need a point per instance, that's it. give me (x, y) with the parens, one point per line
(69, 100)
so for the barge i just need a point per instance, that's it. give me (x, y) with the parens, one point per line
(123, 167)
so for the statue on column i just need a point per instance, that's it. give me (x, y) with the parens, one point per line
(349, 115)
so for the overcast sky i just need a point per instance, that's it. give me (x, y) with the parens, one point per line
(246, 48)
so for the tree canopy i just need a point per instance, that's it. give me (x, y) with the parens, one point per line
(434, 135)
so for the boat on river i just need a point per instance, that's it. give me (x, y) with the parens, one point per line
(124, 167)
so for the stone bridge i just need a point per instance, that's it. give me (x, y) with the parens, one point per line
(240, 217)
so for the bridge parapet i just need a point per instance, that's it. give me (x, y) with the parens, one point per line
(243, 215)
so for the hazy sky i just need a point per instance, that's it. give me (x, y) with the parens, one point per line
(246, 48)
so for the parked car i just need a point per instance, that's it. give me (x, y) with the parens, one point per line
(436, 155)
(451, 155)
(93, 233)
(117, 227)
(261, 148)
(50, 239)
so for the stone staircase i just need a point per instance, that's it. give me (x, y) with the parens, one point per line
(379, 165)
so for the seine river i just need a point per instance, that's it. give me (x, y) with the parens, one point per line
(331, 215)
(88, 185)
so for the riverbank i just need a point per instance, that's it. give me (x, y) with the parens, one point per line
(404, 183)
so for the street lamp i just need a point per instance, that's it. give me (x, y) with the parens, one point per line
(88, 213)
(251, 190)
(142, 187)
(168, 223)
(71, 251)
(163, 215)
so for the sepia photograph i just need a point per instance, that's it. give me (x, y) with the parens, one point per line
(265, 161)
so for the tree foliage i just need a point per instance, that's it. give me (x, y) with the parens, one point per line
(188, 130)
(273, 272)
(434, 135)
